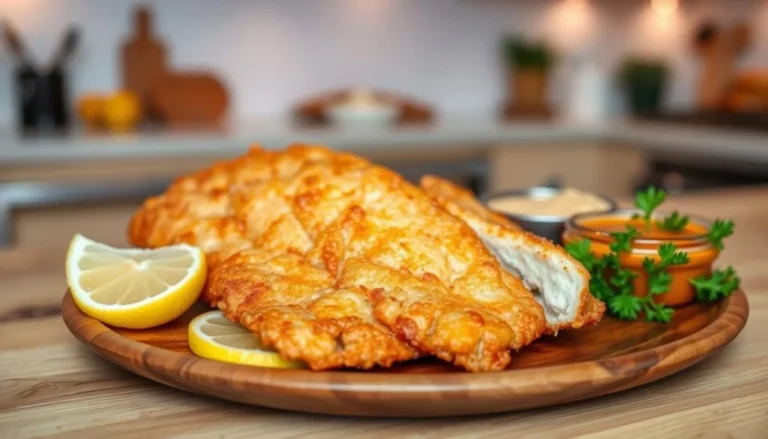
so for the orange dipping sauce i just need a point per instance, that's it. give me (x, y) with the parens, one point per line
(597, 228)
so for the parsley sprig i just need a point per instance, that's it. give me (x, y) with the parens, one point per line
(659, 280)
(674, 222)
(618, 291)
(647, 201)
(720, 230)
(613, 284)
(721, 284)
(622, 241)
(598, 285)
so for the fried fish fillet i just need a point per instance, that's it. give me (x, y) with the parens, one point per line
(340, 263)
(558, 281)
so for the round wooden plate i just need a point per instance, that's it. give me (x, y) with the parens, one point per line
(575, 365)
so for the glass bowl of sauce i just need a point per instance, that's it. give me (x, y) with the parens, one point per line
(544, 210)
(692, 239)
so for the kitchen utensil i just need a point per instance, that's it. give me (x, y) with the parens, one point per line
(66, 49)
(610, 357)
(546, 226)
(27, 81)
(194, 98)
(13, 40)
(58, 98)
(143, 57)
(41, 96)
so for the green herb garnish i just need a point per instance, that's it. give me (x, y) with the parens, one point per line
(670, 256)
(622, 281)
(657, 312)
(625, 306)
(622, 241)
(674, 222)
(650, 199)
(647, 201)
(598, 286)
(720, 230)
(720, 285)
(659, 280)
(618, 290)
(580, 251)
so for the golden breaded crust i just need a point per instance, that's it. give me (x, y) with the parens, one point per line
(341, 263)
(506, 238)
(296, 308)
(461, 203)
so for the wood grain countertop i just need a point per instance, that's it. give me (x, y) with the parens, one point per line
(51, 386)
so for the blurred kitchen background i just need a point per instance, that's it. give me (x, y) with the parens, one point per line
(102, 103)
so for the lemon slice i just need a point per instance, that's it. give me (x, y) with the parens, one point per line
(134, 288)
(213, 336)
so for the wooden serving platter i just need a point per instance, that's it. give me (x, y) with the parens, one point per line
(576, 365)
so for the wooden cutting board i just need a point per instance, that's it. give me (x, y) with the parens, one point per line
(188, 98)
(170, 96)
(719, 52)
(610, 357)
(143, 57)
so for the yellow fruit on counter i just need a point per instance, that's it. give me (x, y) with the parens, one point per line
(122, 111)
(90, 108)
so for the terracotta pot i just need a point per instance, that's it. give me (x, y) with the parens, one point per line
(528, 88)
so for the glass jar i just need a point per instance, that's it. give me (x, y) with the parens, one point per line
(597, 228)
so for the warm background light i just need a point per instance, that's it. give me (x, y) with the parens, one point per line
(664, 7)
(570, 24)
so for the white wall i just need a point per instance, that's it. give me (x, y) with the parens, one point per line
(272, 53)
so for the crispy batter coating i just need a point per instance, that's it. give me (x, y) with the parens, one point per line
(559, 282)
(296, 308)
(341, 263)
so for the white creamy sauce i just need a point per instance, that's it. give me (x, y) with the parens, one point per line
(567, 202)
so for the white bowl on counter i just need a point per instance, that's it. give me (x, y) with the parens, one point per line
(363, 109)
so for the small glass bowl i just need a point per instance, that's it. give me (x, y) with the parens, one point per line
(700, 252)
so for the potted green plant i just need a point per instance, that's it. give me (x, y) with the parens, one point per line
(529, 64)
(643, 81)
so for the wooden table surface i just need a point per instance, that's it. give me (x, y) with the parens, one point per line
(51, 386)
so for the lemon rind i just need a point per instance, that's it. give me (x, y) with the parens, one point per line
(135, 315)
(204, 346)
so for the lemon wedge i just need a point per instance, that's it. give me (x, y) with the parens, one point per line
(134, 288)
(213, 336)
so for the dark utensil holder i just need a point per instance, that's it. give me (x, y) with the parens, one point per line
(42, 100)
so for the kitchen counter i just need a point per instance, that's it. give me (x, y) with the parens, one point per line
(713, 143)
(51, 386)
(277, 133)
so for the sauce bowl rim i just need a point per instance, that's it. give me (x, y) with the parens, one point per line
(572, 223)
(486, 199)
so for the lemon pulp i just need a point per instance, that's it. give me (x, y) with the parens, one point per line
(134, 288)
